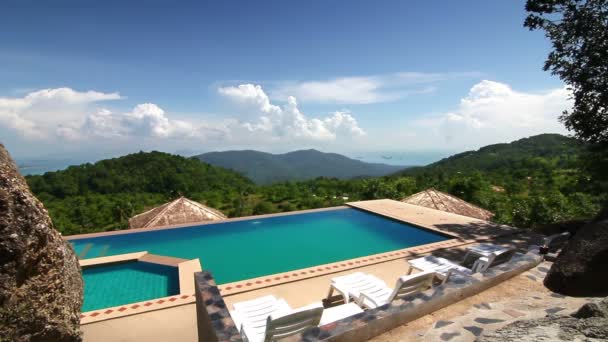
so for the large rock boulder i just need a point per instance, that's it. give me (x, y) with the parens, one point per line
(590, 323)
(40, 281)
(580, 269)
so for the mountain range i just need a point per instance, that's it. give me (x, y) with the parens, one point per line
(267, 168)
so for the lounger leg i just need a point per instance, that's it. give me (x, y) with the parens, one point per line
(331, 292)
(447, 276)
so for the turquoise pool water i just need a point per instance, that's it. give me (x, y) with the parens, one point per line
(245, 249)
(128, 282)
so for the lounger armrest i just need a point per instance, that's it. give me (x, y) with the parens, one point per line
(343, 290)
(364, 300)
(482, 264)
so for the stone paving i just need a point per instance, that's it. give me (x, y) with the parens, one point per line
(489, 311)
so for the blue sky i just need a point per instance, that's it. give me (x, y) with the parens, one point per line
(101, 78)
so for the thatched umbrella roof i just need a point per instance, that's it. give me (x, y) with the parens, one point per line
(180, 211)
(435, 199)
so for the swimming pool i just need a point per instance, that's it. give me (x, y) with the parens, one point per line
(237, 250)
(127, 282)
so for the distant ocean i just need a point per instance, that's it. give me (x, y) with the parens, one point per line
(401, 158)
(38, 167)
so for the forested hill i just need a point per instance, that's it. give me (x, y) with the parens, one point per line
(266, 168)
(526, 183)
(533, 181)
(104, 195)
(555, 149)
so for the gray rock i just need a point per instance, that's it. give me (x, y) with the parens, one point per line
(449, 336)
(580, 269)
(441, 324)
(553, 311)
(553, 328)
(593, 310)
(40, 281)
(484, 320)
(474, 330)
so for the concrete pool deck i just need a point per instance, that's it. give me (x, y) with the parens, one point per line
(462, 227)
(312, 287)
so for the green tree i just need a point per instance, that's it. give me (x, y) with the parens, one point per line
(578, 30)
(262, 208)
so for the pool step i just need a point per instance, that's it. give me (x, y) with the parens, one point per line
(85, 250)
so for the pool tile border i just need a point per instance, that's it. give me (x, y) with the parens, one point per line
(185, 268)
(136, 308)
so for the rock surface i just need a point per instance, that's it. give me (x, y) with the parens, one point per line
(40, 282)
(580, 269)
(589, 323)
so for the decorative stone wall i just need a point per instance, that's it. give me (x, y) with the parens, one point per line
(213, 319)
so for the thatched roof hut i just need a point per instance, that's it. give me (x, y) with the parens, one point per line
(435, 199)
(180, 211)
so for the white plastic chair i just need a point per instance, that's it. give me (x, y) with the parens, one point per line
(350, 285)
(405, 286)
(478, 259)
(268, 318)
(370, 292)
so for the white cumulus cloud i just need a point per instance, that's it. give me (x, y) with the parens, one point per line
(63, 114)
(37, 113)
(145, 120)
(493, 112)
(288, 122)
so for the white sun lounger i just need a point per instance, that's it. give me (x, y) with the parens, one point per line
(371, 292)
(441, 266)
(268, 319)
(350, 285)
(250, 316)
(483, 256)
(478, 259)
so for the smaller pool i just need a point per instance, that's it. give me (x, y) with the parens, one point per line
(128, 282)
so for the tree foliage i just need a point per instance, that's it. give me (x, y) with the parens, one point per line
(578, 30)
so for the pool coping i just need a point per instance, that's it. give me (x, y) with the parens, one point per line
(185, 269)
